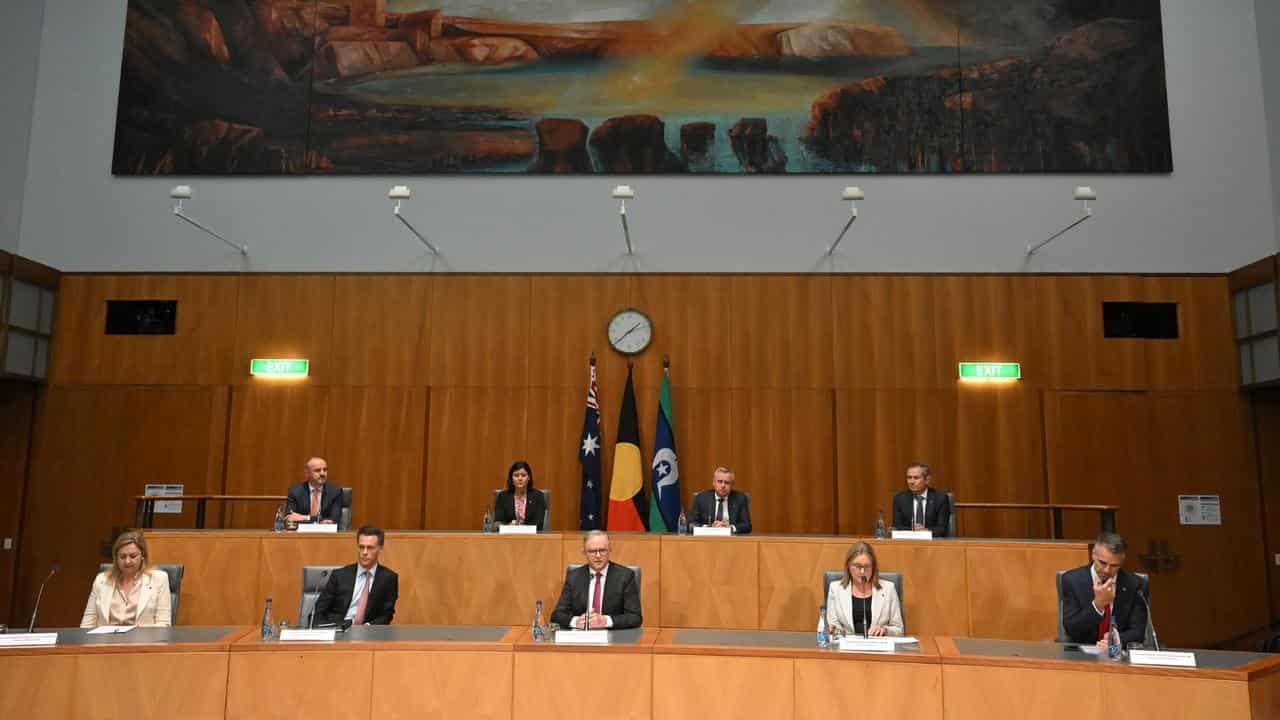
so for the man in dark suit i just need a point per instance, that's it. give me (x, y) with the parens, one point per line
(920, 507)
(605, 593)
(722, 506)
(314, 499)
(1092, 594)
(362, 593)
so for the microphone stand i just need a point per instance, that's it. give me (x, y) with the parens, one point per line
(1155, 639)
(866, 620)
(40, 596)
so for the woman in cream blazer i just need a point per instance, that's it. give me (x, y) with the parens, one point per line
(129, 592)
(862, 577)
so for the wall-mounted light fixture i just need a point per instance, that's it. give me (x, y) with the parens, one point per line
(184, 192)
(400, 193)
(1084, 194)
(853, 194)
(623, 193)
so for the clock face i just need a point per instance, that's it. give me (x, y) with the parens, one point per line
(630, 332)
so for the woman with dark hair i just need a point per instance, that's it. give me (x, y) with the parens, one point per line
(520, 504)
(130, 592)
(860, 603)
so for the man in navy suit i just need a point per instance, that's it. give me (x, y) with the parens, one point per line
(605, 593)
(722, 506)
(920, 507)
(1094, 593)
(362, 593)
(314, 499)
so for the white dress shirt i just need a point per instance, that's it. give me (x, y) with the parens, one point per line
(591, 593)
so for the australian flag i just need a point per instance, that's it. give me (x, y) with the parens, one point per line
(589, 458)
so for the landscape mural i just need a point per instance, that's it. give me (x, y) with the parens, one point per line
(642, 86)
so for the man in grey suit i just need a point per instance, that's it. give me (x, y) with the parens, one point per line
(603, 593)
(722, 506)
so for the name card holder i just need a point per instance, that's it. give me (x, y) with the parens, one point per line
(582, 637)
(708, 531)
(317, 527)
(303, 635)
(517, 529)
(867, 645)
(1162, 657)
(29, 640)
(912, 535)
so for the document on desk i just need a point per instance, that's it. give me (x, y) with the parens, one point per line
(110, 629)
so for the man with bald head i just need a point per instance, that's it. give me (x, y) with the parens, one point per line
(314, 499)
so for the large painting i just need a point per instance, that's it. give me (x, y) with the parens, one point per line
(642, 86)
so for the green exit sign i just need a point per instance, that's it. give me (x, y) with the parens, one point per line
(990, 371)
(273, 367)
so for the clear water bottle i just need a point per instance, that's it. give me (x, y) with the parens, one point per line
(682, 525)
(539, 633)
(822, 626)
(268, 631)
(279, 524)
(487, 524)
(880, 531)
(1115, 649)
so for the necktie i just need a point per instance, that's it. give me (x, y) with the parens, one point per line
(719, 508)
(1105, 625)
(364, 600)
(595, 597)
(919, 510)
(315, 501)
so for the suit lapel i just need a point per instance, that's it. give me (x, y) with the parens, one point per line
(144, 595)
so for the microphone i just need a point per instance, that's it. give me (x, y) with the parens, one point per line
(40, 596)
(1155, 639)
(866, 621)
(311, 617)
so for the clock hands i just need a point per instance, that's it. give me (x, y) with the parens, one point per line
(635, 327)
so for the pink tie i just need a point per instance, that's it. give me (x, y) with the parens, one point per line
(315, 502)
(595, 599)
(364, 600)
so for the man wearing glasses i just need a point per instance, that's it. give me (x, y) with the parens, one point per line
(1093, 594)
(600, 594)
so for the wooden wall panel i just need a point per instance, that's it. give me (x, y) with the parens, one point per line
(381, 330)
(883, 330)
(200, 353)
(473, 435)
(275, 428)
(1266, 411)
(553, 430)
(95, 448)
(567, 319)
(780, 332)
(987, 318)
(481, 331)
(783, 455)
(704, 427)
(1077, 355)
(878, 433)
(285, 316)
(17, 407)
(690, 315)
(1204, 355)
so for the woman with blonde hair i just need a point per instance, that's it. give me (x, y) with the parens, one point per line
(860, 603)
(130, 592)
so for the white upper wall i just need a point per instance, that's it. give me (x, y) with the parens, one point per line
(1213, 214)
(1268, 16)
(19, 51)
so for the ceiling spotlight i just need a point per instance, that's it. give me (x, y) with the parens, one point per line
(853, 192)
(400, 192)
(180, 192)
(1084, 194)
(624, 192)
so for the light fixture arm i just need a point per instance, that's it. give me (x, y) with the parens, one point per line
(182, 215)
(852, 194)
(626, 232)
(1084, 194)
(414, 230)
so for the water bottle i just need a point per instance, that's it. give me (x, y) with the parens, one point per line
(267, 630)
(682, 525)
(880, 533)
(1115, 650)
(539, 634)
(822, 626)
(279, 524)
(487, 523)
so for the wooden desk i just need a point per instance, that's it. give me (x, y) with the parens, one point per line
(145, 673)
(605, 681)
(379, 672)
(999, 678)
(755, 582)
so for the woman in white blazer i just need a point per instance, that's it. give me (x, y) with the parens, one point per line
(129, 592)
(862, 598)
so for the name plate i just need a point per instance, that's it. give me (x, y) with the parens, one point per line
(1162, 657)
(317, 527)
(517, 529)
(29, 640)
(912, 535)
(302, 635)
(708, 531)
(582, 637)
(873, 645)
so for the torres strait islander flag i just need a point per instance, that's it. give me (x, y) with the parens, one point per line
(626, 492)
(664, 502)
